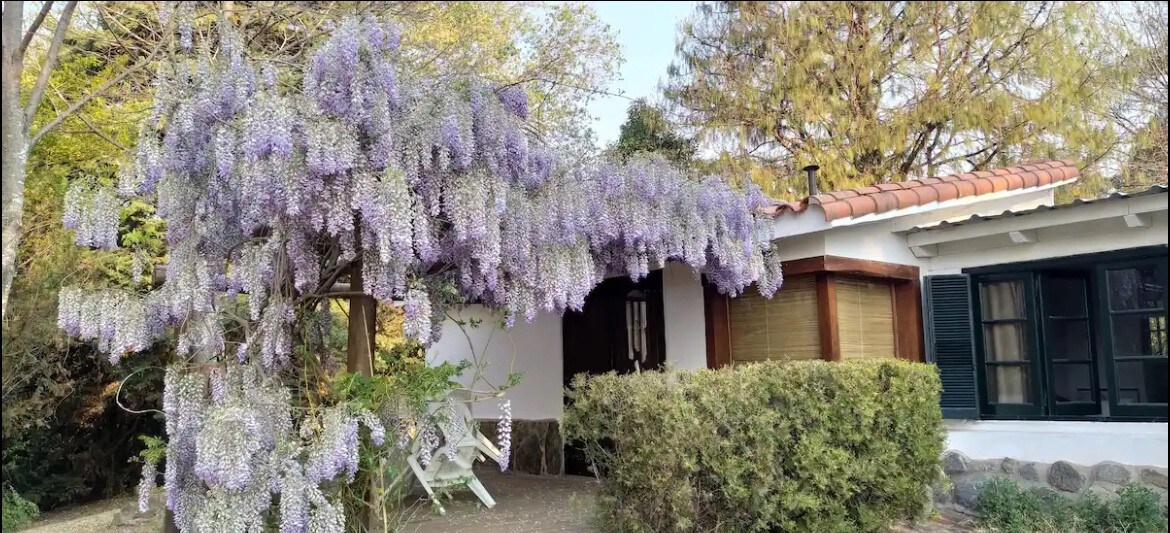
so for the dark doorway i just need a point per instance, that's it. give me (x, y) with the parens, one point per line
(622, 329)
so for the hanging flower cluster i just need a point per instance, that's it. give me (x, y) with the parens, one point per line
(231, 452)
(92, 214)
(272, 192)
(504, 434)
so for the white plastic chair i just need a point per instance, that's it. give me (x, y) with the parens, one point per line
(470, 446)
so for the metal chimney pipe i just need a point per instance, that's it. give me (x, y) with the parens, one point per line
(811, 172)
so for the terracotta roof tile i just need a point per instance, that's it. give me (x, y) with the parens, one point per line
(947, 192)
(885, 197)
(966, 188)
(885, 201)
(927, 195)
(906, 198)
(861, 205)
(837, 210)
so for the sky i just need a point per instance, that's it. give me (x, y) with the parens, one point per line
(646, 32)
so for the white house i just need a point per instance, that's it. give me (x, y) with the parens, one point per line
(1047, 323)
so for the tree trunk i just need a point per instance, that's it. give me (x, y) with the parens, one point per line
(15, 151)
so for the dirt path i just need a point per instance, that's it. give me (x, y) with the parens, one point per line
(101, 516)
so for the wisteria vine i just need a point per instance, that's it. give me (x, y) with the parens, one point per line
(275, 183)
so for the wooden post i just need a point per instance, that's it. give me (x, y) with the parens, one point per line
(360, 359)
(827, 316)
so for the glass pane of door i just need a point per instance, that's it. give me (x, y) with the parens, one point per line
(1068, 351)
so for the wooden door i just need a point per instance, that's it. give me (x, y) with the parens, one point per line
(621, 329)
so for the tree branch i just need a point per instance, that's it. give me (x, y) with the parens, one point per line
(89, 97)
(92, 129)
(36, 25)
(38, 91)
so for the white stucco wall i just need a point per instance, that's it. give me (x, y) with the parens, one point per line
(686, 333)
(534, 349)
(1085, 443)
(537, 350)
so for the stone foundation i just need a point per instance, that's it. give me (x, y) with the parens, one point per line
(966, 475)
(537, 447)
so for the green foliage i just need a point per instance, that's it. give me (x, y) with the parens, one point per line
(1005, 506)
(403, 379)
(155, 450)
(17, 511)
(647, 130)
(885, 91)
(808, 446)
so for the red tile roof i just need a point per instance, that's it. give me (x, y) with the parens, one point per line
(883, 197)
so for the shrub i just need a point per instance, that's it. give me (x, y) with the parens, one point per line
(1006, 507)
(808, 446)
(17, 511)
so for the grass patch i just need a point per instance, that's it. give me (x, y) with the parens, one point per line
(1006, 507)
(17, 511)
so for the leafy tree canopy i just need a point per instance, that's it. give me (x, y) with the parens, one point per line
(884, 91)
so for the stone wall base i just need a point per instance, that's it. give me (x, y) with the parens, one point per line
(537, 447)
(966, 475)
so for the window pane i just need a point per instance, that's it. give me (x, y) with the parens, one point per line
(1006, 342)
(1002, 300)
(1139, 335)
(1072, 383)
(1064, 296)
(1008, 384)
(1068, 339)
(1135, 288)
(1141, 381)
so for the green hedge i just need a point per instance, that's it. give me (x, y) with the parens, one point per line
(806, 446)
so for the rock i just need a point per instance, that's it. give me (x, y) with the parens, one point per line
(1010, 466)
(967, 489)
(536, 447)
(1154, 476)
(1103, 490)
(955, 463)
(1032, 471)
(1066, 477)
(1046, 494)
(941, 492)
(1111, 472)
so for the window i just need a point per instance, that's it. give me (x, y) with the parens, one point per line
(865, 318)
(784, 327)
(1005, 335)
(830, 308)
(1135, 331)
(1074, 337)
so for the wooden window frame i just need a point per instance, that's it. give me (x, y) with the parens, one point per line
(905, 286)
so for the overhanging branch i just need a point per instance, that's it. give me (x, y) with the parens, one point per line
(38, 91)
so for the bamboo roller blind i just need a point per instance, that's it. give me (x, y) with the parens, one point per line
(783, 328)
(865, 318)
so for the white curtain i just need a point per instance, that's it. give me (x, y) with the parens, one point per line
(1006, 341)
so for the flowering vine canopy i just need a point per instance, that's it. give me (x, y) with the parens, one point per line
(274, 182)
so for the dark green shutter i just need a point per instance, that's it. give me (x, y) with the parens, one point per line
(950, 344)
